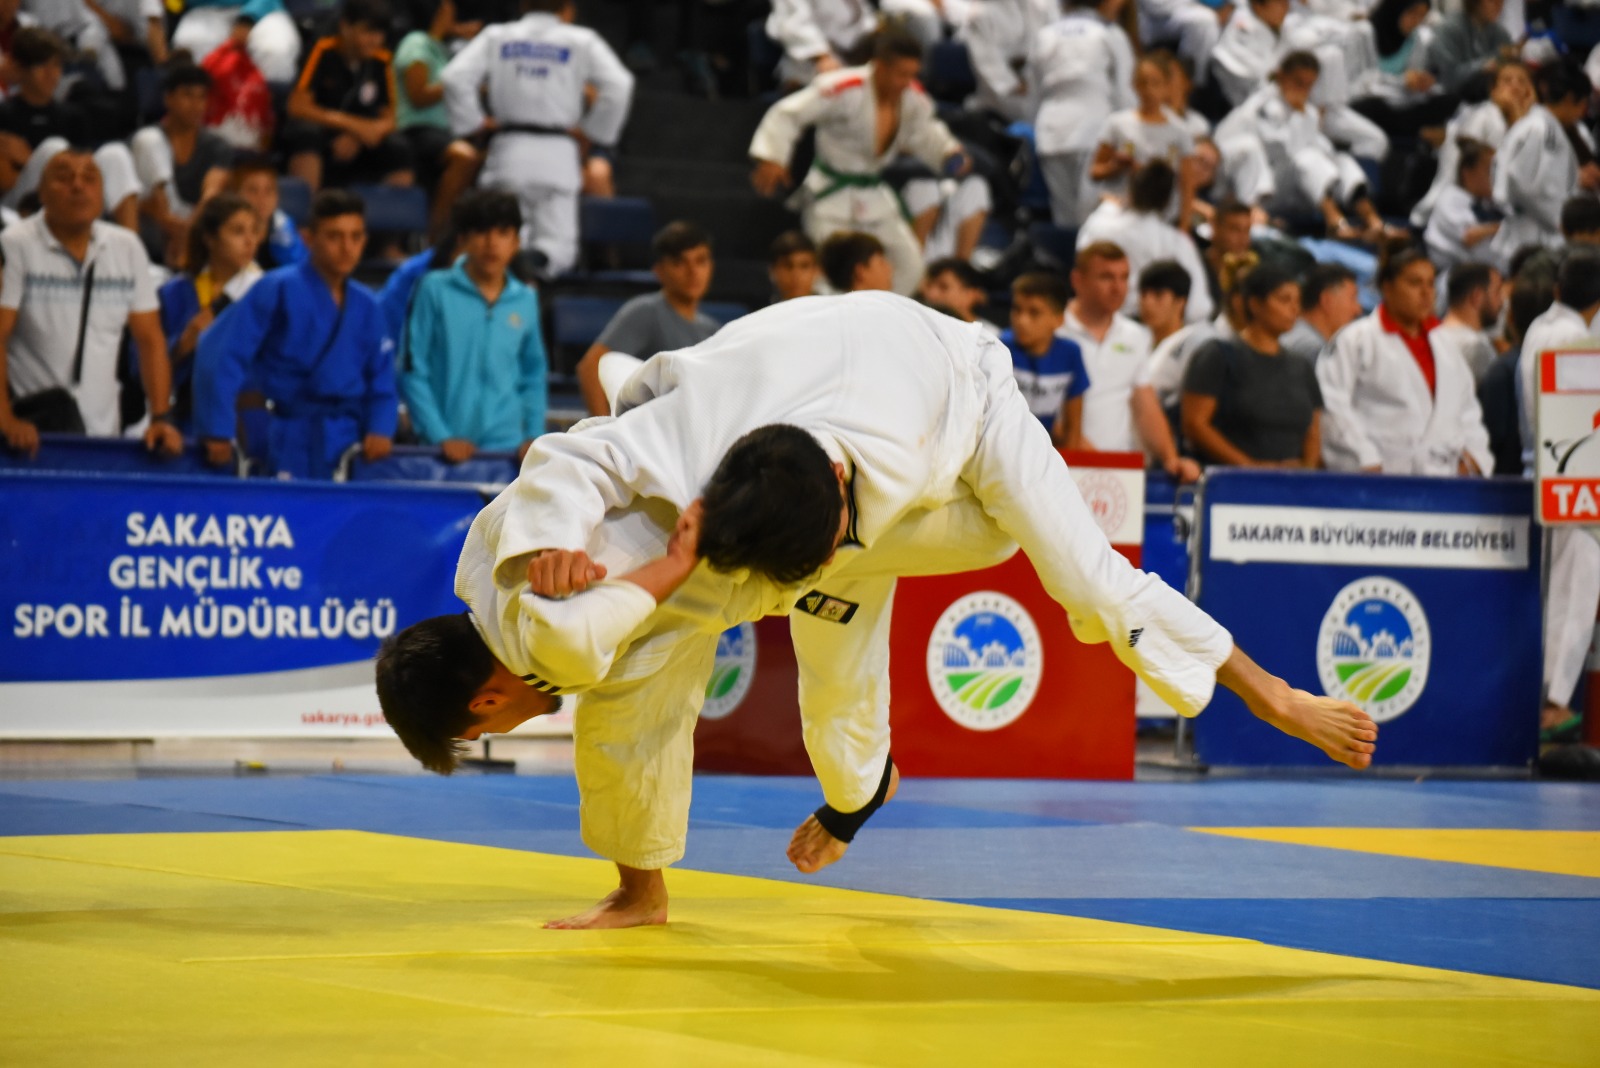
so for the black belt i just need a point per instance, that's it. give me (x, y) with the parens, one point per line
(529, 128)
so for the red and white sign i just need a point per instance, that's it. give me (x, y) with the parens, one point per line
(1567, 438)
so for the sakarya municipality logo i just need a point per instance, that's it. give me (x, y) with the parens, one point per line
(1374, 647)
(733, 672)
(984, 661)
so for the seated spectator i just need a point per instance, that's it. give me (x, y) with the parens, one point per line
(314, 342)
(792, 266)
(853, 261)
(1180, 88)
(955, 286)
(818, 36)
(1247, 401)
(137, 28)
(1398, 397)
(662, 321)
(271, 39)
(445, 167)
(1330, 300)
(1143, 134)
(1511, 95)
(34, 126)
(1143, 233)
(257, 181)
(1049, 368)
(85, 35)
(1231, 226)
(1580, 220)
(58, 357)
(539, 115)
(1465, 46)
(1464, 218)
(930, 20)
(1476, 294)
(400, 288)
(341, 112)
(179, 163)
(474, 363)
(219, 268)
(997, 38)
(947, 215)
(1191, 26)
(1115, 348)
(1164, 288)
(1538, 169)
(1399, 93)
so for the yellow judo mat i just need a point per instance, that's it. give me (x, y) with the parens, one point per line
(1557, 852)
(348, 948)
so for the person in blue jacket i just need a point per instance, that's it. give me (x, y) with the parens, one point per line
(256, 179)
(315, 342)
(474, 363)
(401, 286)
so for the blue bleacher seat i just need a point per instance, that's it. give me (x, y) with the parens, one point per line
(577, 321)
(294, 197)
(1058, 242)
(723, 311)
(394, 209)
(948, 72)
(616, 220)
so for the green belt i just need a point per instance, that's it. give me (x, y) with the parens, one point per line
(838, 181)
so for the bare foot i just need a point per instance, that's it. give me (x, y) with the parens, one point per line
(1553, 715)
(812, 848)
(1336, 727)
(641, 901)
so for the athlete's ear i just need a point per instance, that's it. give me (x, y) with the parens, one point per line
(838, 472)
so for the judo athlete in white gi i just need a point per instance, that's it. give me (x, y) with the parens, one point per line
(533, 74)
(952, 473)
(1574, 583)
(864, 117)
(997, 38)
(1510, 98)
(1536, 169)
(1382, 410)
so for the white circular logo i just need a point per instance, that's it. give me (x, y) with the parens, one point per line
(984, 661)
(733, 672)
(1106, 498)
(1374, 646)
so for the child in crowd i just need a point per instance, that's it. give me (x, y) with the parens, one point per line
(1049, 369)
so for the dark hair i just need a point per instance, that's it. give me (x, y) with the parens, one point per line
(966, 274)
(182, 73)
(677, 238)
(1048, 286)
(1320, 279)
(1578, 280)
(552, 7)
(482, 210)
(1166, 276)
(427, 675)
(790, 243)
(1580, 215)
(1530, 298)
(1533, 258)
(207, 223)
(1300, 61)
(334, 203)
(373, 14)
(1266, 279)
(894, 40)
(1562, 80)
(1150, 188)
(34, 46)
(1472, 154)
(1170, 61)
(1397, 256)
(843, 252)
(1467, 279)
(1385, 19)
(1230, 207)
(772, 506)
(247, 163)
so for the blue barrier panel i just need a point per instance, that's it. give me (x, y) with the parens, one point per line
(1416, 598)
(424, 463)
(69, 452)
(1166, 529)
(148, 606)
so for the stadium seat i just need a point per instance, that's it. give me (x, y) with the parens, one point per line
(616, 220)
(294, 197)
(575, 322)
(394, 209)
(947, 73)
(1059, 243)
(723, 311)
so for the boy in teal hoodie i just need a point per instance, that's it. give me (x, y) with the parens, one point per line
(473, 363)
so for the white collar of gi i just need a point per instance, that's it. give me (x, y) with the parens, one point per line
(836, 454)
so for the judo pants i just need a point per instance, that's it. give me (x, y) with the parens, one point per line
(1072, 195)
(875, 211)
(1569, 611)
(549, 210)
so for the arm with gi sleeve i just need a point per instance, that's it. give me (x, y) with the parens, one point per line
(1532, 185)
(225, 354)
(923, 134)
(462, 79)
(786, 120)
(1344, 437)
(986, 37)
(613, 84)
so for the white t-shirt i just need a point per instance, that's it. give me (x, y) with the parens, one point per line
(1114, 365)
(1167, 141)
(44, 285)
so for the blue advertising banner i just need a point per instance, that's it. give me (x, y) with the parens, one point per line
(166, 606)
(1416, 598)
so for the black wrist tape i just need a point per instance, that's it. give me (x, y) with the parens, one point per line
(844, 825)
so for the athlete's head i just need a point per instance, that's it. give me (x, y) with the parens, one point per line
(1406, 281)
(488, 223)
(775, 505)
(1164, 288)
(337, 233)
(853, 261)
(955, 284)
(438, 685)
(1038, 308)
(896, 59)
(1297, 76)
(683, 261)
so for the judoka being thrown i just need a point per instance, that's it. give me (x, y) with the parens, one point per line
(798, 462)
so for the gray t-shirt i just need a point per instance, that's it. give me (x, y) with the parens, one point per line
(647, 325)
(1264, 402)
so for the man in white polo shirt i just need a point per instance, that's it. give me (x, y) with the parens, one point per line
(1115, 347)
(71, 285)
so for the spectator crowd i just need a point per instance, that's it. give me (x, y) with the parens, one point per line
(1282, 233)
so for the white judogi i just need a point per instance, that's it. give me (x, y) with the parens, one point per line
(844, 189)
(1169, 362)
(1573, 589)
(1535, 172)
(1193, 25)
(1377, 411)
(927, 22)
(958, 450)
(997, 37)
(1484, 123)
(956, 200)
(1114, 364)
(806, 29)
(1302, 164)
(1081, 70)
(533, 72)
(1148, 238)
(1452, 216)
